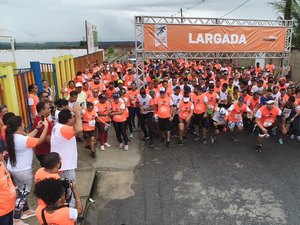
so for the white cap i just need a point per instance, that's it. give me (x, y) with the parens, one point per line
(270, 102)
(186, 99)
(162, 89)
(78, 84)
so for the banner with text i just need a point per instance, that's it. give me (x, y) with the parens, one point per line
(91, 37)
(198, 38)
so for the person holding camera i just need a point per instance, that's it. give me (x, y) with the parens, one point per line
(53, 193)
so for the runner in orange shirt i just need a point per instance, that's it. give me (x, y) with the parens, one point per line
(165, 113)
(89, 125)
(103, 110)
(94, 98)
(186, 109)
(134, 111)
(235, 118)
(110, 90)
(128, 78)
(118, 113)
(97, 84)
(265, 119)
(199, 121)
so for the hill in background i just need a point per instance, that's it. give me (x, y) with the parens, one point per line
(66, 45)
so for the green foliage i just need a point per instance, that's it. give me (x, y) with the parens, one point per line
(279, 6)
(111, 51)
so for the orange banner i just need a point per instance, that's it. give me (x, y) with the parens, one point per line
(197, 38)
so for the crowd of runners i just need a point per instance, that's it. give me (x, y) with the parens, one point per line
(203, 98)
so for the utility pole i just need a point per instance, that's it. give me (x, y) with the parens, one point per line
(181, 15)
(288, 9)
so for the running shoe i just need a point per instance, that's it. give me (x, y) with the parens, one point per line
(204, 141)
(107, 145)
(234, 138)
(131, 135)
(293, 136)
(258, 148)
(168, 143)
(126, 148)
(146, 137)
(27, 214)
(280, 141)
(180, 143)
(102, 148)
(121, 145)
(298, 138)
(151, 145)
(196, 138)
(212, 139)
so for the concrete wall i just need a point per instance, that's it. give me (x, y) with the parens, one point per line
(24, 57)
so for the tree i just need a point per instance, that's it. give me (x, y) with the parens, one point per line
(289, 9)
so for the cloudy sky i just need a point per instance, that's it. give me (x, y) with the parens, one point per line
(63, 20)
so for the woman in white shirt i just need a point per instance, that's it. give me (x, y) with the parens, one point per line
(19, 146)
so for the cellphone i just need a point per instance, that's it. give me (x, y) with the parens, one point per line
(43, 118)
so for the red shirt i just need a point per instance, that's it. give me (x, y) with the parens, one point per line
(44, 148)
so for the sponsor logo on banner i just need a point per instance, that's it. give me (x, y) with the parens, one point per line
(161, 35)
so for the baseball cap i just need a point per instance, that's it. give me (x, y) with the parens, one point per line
(222, 111)
(186, 99)
(78, 84)
(241, 99)
(120, 82)
(116, 95)
(162, 89)
(102, 96)
(270, 102)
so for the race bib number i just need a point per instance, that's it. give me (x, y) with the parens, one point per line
(92, 123)
(163, 109)
(237, 116)
(129, 83)
(267, 124)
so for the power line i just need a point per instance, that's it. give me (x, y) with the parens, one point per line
(239, 6)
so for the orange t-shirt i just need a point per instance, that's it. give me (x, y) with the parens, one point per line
(268, 117)
(164, 107)
(132, 95)
(89, 120)
(253, 104)
(57, 217)
(128, 79)
(41, 174)
(185, 109)
(117, 107)
(33, 100)
(199, 105)
(106, 78)
(100, 86)
(104, 109)
(3, 128)
(7, 191)
(93, 100)
(236, 112)
(110, 93)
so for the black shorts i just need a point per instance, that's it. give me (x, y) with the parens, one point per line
(89, 134)
(199, 119)
(269, 129)
(164, 124)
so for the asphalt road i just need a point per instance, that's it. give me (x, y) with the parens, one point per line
(226, 183)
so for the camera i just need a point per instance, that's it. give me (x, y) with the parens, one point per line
(67, 184)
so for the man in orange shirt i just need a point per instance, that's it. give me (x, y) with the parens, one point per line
(129, 78)
(265, 119)
(165, 113)
(33, 99)
(235, 118)
(89, 125)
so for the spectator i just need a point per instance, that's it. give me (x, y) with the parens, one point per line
(20, 151)
(43, 110)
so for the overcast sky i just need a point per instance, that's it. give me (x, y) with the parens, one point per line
(63, 20)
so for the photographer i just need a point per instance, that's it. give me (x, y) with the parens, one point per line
(52, 192)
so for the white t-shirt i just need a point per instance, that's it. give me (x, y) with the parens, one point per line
(63, 142)
(144, 103)
(24, 152)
